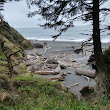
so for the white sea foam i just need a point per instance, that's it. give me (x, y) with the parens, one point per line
(71, 40)
(71, 35)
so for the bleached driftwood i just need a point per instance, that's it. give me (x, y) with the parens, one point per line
(47, 72)
(87, 78)
(58, 78)
(84, 72)
(52, 72)
(45, 50)
(75, 84)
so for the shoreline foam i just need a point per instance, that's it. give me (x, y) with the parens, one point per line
(65, 40)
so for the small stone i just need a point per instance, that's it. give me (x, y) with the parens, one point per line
(52, 61)
(63, 67)
(68, 73)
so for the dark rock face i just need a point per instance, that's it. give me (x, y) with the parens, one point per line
(38, 45)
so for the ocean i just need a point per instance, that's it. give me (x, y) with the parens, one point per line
(76, 34)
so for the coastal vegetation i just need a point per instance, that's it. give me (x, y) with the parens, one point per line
(25, 91)
(13, 36)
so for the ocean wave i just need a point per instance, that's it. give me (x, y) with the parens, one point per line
(66, 40)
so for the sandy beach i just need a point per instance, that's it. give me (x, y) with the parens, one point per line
(63, 53)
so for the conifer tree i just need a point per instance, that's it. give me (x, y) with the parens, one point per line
(61, 14)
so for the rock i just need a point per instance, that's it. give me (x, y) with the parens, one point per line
(68, 73)
(77, 51)
(38, 45)
(63, 74)
(45, 44)
(94, 66)
(91, 58)
(51, 66)
(52, 61)
(63, 67)
(73, 47)
(85, 91)
(73, 61)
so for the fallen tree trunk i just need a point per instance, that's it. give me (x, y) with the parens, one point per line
(58, 78)
(47, 72)
(91, 74)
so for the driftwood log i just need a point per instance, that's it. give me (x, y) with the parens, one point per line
(58, 78)
(91, 74)
(47, 72)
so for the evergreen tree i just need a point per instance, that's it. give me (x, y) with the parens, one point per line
(61, 14)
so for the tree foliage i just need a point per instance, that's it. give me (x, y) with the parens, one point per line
(61, 14)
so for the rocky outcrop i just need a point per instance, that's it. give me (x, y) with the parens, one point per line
(37, 45)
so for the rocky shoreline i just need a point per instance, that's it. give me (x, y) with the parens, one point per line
(57, 61)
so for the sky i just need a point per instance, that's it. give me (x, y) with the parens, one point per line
(16, 15)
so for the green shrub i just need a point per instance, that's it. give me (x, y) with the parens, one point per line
(14, 37)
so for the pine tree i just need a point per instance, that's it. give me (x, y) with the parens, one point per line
(61, 14)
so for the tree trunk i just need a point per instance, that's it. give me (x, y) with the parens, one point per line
(101, 67)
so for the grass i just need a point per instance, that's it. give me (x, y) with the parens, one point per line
(31, 93)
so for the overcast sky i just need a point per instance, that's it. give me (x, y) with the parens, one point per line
(16, 14)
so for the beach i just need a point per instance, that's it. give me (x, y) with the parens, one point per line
(64, 54)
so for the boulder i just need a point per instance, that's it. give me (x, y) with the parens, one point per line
(77, 51)
(63, 67)
(38, 45)
(85, 91)
(52, 61)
